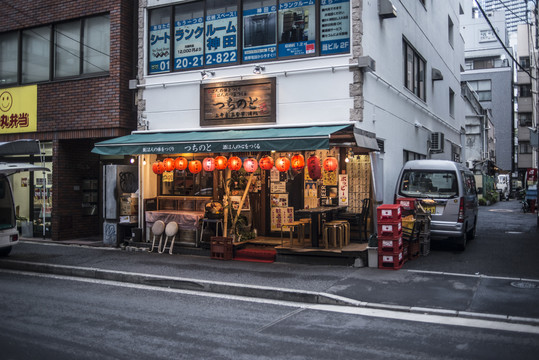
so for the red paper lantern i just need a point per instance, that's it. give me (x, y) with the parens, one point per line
(195, 166)
(221, 163)
(297, 162)
(282, 164)
(266, 163)
(234, 163)
(330, 164)
(169, 164)
(180, 163)
(208, 164)
(250, 165)
(158, 167)
(313, 165)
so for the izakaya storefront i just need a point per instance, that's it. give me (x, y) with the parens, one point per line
(273, 176)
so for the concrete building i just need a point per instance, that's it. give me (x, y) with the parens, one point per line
(489, 72)
(378, 79)
(65, 66)
(515, 11)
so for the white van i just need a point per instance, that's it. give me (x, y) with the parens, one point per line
(453, 204)
(9, 235)
(502, 185)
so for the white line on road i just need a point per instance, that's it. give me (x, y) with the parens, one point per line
(360, 311)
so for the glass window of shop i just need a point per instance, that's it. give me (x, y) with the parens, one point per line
(96, 44)
(67, 49)
(8, 58)
(36, 54)
(214, 33)
(32, 195)
(185, 183)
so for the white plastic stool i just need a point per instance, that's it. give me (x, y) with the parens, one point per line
(157, 229)
(170, 231)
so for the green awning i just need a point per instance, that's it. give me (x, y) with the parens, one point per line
(215, 141)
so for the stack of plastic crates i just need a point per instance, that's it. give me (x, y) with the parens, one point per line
(390, 245)
(221, 248)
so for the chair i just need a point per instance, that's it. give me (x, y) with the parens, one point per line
(171, 230)
(293, 227)
(336, 231)
(363, 219)
(157, 230)
(217, 222)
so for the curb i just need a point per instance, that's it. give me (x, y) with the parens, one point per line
(252, 291)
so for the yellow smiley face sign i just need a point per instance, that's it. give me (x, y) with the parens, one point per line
(18, 109)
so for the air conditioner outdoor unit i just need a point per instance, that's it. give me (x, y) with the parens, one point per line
(437, 142)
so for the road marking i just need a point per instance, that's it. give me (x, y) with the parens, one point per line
(359, 311)
(478, 275)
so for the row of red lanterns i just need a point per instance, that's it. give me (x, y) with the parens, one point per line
(297, 162)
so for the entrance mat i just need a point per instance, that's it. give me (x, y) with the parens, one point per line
(255, 255)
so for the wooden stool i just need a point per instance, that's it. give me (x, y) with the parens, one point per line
(294, 226)
(306, 224)
(346, 225)
(334, 231)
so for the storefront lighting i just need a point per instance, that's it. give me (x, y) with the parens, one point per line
(195, 166)
(221, 162)
(258, 69)
(250, 165)
(180, 163)
(313, 166)
(208, 164)
(330, 164)
(266, 163)
(143, 161)
(298, 162)
(158, 167)
(169, 164)
(282, 164)
(206, 74)
(234, 163)
(132, 160)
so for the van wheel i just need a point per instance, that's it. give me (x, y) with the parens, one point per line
(5, 251)
(462, 241)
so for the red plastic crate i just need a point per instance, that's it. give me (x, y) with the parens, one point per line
(389, 213)
(390, 246)
(392, 262)
(390, 231)
(221, 248)
(407, 203)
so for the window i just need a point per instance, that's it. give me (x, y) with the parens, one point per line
(8, 58)
(483, 89)
(414, 72)
(451, 103)
(186, 183)
(410, 155)
(524, 62)
(525, 119)
(67, 49)
(96, 44)
(77, 47)
(216, 33)
(524, 147)
(427, 183)
(525, 90)
(450, 30)
(36, 54)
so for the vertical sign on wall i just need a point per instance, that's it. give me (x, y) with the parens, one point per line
(259, 33)
(189, 43)
(343, 189)
(221, 38)
(159, 48)
(297, 28)
(334, 26)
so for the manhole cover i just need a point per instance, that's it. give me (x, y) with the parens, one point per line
(524, 284)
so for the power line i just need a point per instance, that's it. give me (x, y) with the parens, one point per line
(501, 42)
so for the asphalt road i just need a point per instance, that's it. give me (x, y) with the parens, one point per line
(46, 317)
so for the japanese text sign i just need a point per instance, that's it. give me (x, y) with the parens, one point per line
(18, 109)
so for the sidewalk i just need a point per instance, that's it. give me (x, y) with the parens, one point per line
(475, 296)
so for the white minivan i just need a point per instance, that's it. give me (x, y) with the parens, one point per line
(450, 190)
(9, 235)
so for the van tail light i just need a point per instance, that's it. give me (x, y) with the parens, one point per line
(461, 210)
(14, 238)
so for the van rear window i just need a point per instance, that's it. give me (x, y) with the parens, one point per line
(428, 183)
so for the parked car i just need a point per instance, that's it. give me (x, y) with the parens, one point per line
(9, 235)
(502, 186)
(451, 195)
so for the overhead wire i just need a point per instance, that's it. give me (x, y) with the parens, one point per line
(501, 42)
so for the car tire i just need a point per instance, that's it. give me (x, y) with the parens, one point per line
(462, 241)
(472, 231)
(5, 251)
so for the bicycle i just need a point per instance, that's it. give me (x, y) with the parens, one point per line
(525, 206)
